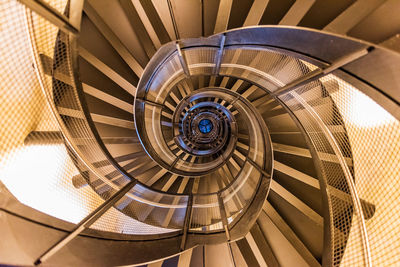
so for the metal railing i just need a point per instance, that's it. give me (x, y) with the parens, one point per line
(340, 175)
(324, 127)
(56, 57)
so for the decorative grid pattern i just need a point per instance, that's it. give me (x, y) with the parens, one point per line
(368, 139)
(34, 168)
(318, 115)
(26, 110)
(374, 136)
(372, 158)
(207, 217)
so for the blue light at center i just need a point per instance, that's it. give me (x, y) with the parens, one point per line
(205, 126)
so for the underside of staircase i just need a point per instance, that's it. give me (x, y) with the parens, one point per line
(200, 133)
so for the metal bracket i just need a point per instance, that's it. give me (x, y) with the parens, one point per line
(182, 59)
(218, 56)
(148, 102)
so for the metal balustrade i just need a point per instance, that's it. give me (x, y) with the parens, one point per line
(326, 94)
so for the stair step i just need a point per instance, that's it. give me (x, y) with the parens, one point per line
(303, 164)
(93, 77)
(113, 39)
(281, 123)
(110, 99)
(306, 223)
(283, 248)
(97, 106)
(278, 222)
(302, 152)
(301, 188)
(289, 138)
(297, 12)
(296, 202)
(107, 70)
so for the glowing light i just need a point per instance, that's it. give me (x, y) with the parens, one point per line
(40, 177)
(205, 126)
(365, 112)
(357, 108)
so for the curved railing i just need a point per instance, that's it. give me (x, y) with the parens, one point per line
(360, 70)
(325, 129)
(61, 85)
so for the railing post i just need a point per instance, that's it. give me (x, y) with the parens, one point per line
(182, 59)
(187, 221)
(218, 56)
(224, 216)
(259, 169)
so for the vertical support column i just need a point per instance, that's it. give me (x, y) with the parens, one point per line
(188, 219)
(182, 59)
(223, 216)
(218, 56)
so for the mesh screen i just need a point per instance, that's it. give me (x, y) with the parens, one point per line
(117, 222)
(367, 137)
(374, 136)
(35, 168)
(206, 214)
(58, 5)
(310, 109)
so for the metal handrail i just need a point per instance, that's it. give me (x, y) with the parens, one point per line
(68, 27)
(288, 89)
(349, 177)
(67, 137)
(69, 140)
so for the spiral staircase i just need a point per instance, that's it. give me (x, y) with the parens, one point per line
(200, 133)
